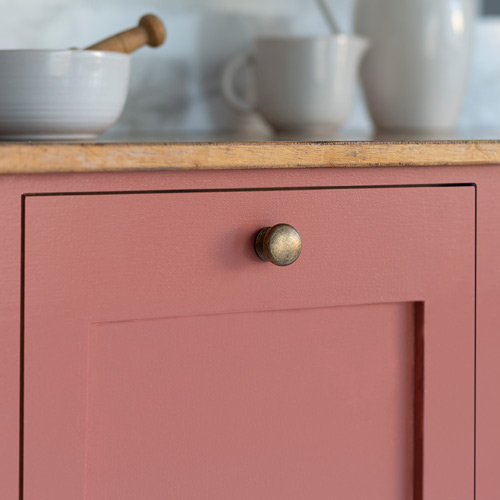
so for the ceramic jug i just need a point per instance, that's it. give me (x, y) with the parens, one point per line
(415, 74)
(303, 84)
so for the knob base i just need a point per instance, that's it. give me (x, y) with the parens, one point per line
(259, 244)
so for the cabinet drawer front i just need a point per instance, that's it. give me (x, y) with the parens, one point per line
(164, 359)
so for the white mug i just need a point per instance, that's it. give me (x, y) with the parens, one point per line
(302, 84)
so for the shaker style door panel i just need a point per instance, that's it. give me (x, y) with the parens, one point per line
(253, 405)
(163, 359)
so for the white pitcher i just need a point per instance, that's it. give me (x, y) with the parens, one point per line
(415, 74)
(303, 84)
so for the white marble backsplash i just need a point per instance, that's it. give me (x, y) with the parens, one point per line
(175, 88)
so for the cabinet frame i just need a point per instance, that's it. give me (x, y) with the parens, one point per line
(176, 191)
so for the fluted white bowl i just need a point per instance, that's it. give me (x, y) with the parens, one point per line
(61, 94)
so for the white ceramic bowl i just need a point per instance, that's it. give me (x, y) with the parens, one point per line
(61, 94)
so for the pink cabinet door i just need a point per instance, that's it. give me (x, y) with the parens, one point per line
(163, 360)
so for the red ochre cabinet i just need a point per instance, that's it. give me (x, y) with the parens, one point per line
(147, 352)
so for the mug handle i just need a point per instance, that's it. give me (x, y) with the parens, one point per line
(229, 93)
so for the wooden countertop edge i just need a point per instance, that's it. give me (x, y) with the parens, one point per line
(25, 158)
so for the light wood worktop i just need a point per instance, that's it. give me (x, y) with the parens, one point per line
(201, 152)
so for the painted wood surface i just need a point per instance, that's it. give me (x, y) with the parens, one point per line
(175, 274)
(20, 158)
(486, 179)
(253, 405)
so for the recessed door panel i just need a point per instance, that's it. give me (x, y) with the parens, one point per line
(313, 403)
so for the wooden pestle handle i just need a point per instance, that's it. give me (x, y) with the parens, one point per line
(150, 31)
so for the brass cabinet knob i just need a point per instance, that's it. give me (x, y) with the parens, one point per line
(281, 244)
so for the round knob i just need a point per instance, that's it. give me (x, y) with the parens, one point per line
(281, 244)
